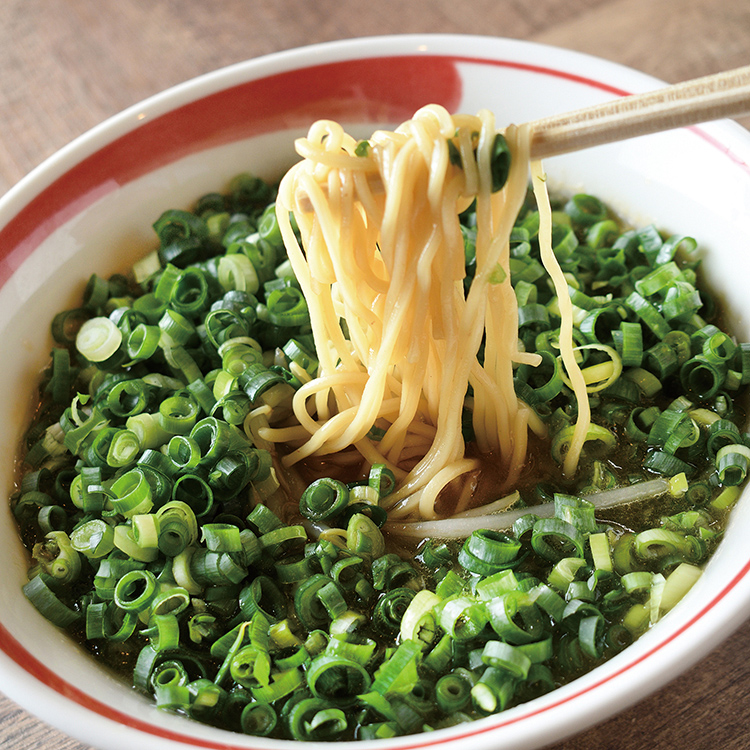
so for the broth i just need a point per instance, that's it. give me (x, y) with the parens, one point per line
(217, 607)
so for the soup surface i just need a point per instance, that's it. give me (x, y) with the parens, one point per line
(169, 538)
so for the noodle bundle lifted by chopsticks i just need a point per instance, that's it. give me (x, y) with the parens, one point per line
(382, 266)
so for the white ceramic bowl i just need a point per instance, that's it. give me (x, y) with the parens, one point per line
(90, 207)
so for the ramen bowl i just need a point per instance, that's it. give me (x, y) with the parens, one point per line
(90, 208)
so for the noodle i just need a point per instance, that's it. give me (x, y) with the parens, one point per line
(566, 321)
(390, 264)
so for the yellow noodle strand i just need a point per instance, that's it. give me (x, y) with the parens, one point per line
(567, 352)
(382, 250)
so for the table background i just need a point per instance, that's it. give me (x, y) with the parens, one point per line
(66, 65)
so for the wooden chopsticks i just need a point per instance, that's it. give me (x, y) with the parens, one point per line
(704, 99)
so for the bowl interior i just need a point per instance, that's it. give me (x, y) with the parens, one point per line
(90, 208)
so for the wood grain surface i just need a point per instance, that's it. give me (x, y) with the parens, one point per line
(66, 65)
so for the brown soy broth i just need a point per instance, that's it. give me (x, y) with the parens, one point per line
(540, 478)
(626, 460)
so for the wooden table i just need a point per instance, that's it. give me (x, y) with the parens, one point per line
(65, 65)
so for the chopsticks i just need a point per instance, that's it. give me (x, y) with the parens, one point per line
(713, 97)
